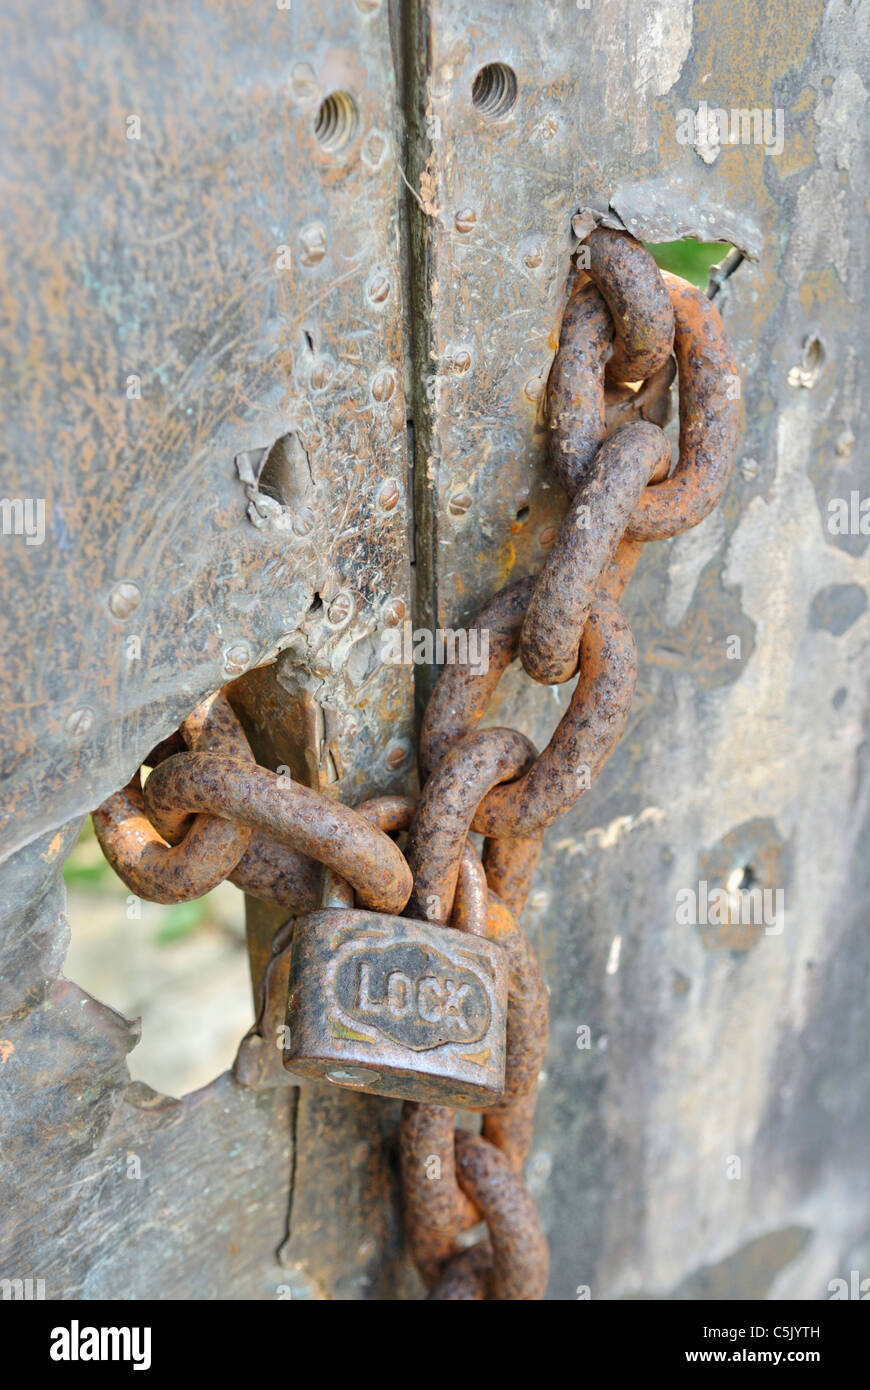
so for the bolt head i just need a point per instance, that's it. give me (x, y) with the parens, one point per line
(461, 360)
(379, 289)
(339, 609)
(383, 386)
(465, 219)
(321, 375)
(79, 723)
(396, 756)
(547, 538)
(124, 599)
(303, 522)
(388, 496)
(394, 612)
(534, 388)
(533, 258)
(313, 239)
(237, 658)
(459, 503)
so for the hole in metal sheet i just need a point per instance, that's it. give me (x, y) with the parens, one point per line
(695, 261)
(741, 879)
(806, 373)
(336, 121)
(182, 969)
(494, 91)
(286, 473)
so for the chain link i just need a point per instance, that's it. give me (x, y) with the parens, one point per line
(208, 811)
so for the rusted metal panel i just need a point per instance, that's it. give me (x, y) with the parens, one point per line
(113, 1191)
(700, 1122)
(196, 275)
(709, 1140)
(203, 339)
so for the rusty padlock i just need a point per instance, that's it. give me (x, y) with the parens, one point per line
(394, 1006)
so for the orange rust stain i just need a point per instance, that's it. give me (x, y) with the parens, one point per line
(799, 149)
(749, 49)
(54, 848)
(506, 561)
(6, 1049)
(823, 288)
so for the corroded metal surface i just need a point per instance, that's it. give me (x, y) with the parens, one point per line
(453, 791)
(212, 311)
(601, 509)
(643, 319)
(691, 1055)
(705, 1044)
(670, 1055)
(319, 826)
(202, 345)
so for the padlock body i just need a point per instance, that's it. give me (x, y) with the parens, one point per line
(397, 1007)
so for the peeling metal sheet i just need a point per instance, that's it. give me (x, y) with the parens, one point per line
(669, 208)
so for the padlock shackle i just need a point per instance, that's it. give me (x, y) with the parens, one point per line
(387, 813)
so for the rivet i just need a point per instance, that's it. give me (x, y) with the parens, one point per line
(534, 388)
(845, 443)
(367, 6)
(340, 609)
(304, 83)
(352, 1076)
(237, 658)
(396, 756)
(125, 599)
(313, 239)
(372, 149)
(394, 612)
(459, 503)
(80, 722)
(379, 289)
(383, 386)
(321, 375)
(460, 361)
(388, 495)
(465, 220)
(547, 538)
(303, 522)
(532, 259)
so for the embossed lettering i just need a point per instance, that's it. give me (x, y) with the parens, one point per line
(414, 995)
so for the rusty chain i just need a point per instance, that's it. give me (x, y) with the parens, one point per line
(207, 811)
